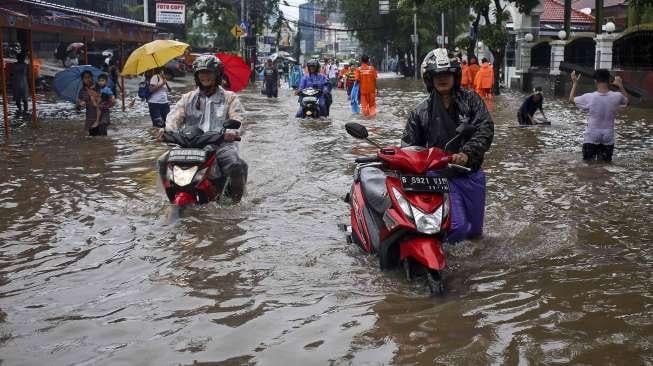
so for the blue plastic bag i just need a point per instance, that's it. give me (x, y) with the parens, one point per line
(467, 195)
(355, 96)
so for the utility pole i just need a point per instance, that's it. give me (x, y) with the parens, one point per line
(598, 26)
(242, 19)
(415, 40)
(442, 27)
(567, 18)
(146, 13)
(387, 59)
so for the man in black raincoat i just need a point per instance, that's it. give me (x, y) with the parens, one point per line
(271, 74)
(433, 123)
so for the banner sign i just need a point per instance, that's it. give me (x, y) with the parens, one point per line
(171, 13)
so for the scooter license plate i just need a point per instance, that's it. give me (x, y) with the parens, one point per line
(420, 183)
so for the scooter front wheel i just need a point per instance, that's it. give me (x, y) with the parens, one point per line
(435, 280)
(436, 283)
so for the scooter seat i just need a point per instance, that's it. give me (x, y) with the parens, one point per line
(374, 188)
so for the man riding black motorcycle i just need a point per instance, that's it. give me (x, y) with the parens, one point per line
(209, 107)
(433, 123)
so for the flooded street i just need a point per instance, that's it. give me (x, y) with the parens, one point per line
(91, 274)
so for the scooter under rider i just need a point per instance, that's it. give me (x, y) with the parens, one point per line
(209, 107)
(433, 123)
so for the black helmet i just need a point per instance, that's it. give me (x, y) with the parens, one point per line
(438, 62)
(208, 63)
(313, 63)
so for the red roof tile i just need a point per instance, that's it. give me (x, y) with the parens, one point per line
(554, 12)
(580, 4)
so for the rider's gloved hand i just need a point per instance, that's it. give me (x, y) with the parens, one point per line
(231, 135)
(460, 159)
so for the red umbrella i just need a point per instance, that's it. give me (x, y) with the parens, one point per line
(236, 70)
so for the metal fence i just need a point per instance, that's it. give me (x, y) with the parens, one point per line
(634, 51)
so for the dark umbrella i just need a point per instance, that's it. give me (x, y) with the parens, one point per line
(236, 70)
(68, 83)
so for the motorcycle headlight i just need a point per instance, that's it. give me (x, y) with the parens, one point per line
(200, 175)
(428, 223)
(403, 203)
(183, 177)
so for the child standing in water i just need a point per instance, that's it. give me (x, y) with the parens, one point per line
(103, 102)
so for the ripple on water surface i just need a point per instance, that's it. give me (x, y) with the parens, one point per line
(90, 273)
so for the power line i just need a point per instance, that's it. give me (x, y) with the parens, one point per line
(304, 24)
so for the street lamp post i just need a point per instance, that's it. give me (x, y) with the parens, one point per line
(416, 39)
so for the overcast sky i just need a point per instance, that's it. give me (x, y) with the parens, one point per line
(291, 12)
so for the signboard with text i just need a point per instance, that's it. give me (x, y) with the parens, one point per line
(170, 13)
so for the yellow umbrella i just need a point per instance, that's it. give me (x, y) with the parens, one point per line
(152, 55)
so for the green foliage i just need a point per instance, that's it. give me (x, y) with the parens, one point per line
(296, 46)
(639, 13)
(135, 12)
(374, 30)
(224, 14)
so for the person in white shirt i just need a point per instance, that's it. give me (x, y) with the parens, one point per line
(602, 106)
(157, 102)
(333, 74)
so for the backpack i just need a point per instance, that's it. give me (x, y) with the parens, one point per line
(144, 89)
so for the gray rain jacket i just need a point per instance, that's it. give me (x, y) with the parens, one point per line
(429, 127)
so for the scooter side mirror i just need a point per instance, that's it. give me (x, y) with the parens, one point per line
(231, 124)
(466, 130)
(356, 130)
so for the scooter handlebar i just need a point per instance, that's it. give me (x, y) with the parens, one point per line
(459, 167)
(367, 159)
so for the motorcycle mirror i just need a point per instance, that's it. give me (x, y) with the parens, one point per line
(356, 130)
(231, 124)
(466, 129)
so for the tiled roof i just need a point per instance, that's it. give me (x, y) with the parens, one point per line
(581, 4)
(554, 12)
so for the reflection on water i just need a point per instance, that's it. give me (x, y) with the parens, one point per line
(91, 275)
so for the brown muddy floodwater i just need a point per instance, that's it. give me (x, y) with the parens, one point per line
(91, 274)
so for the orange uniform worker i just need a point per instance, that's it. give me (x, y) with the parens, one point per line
(484, 80)
(366, 76)
(473, 70)
(466, 79)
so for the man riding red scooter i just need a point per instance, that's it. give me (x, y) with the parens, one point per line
(406, 202)
(433, 123)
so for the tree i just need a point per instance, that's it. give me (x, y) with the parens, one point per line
(487, 24)
(374, 30)
(297, 41)
(493, 32)
(224, 14)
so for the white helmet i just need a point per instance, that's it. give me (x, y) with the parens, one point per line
(437, 61)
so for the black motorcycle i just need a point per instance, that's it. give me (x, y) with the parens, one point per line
(309, 102)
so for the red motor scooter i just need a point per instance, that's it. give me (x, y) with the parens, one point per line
(189, 177)
(399, 203)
